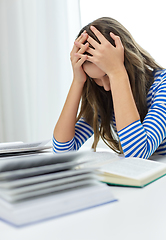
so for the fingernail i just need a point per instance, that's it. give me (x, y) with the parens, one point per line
(84, 32)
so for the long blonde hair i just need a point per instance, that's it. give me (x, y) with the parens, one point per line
(96, 103)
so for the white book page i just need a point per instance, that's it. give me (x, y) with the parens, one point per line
(99, 159)
(29, 161)
(37, 193)
(43, 178)
(43, 185)
(135, 168)
(21, 173)
(19, 147)
(15, 145)
(8, 145)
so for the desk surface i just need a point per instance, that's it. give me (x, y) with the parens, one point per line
(139, 214)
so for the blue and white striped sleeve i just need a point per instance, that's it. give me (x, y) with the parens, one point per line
(142, 139)
(83, 131)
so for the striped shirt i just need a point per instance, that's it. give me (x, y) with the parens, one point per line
(137, 139)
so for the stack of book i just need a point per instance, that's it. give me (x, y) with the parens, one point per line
(40, 186)
(36, 184)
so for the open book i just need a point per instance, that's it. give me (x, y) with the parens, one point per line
(115, 170)
(42, 186)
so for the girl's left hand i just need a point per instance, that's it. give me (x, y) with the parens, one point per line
(108, 58)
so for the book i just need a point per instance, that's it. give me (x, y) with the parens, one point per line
(115, 170)
(18, 148)
(38, 187)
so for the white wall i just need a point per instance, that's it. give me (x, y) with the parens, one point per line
(145, 19)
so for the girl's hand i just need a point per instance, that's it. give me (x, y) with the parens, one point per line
(108, 58)
(78, 58)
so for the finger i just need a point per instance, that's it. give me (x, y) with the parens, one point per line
(74, 49)
(81, 58)
(93, 42)
(117, 40)
(98, 34)
(81, 35)
(77, 43)
(83, 48)
(90, 59)
(76, 57)
(91, 51)
(81, 38)
(80, 53)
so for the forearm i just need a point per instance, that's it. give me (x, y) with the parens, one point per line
(143, 139)
(65, 128)
(123, 101)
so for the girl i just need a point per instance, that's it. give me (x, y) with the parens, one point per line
(122, 92)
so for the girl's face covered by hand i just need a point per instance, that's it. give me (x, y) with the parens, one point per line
(97, 75)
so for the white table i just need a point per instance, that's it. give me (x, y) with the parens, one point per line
(140, 214)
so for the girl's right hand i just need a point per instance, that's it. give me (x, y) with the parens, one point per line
(77, 57)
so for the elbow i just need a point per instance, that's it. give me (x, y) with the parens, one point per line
(62, 147)
(144, 153)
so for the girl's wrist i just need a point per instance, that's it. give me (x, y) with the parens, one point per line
(118, 73)
(77, 83)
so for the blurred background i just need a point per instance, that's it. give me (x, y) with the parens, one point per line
(36, 37)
